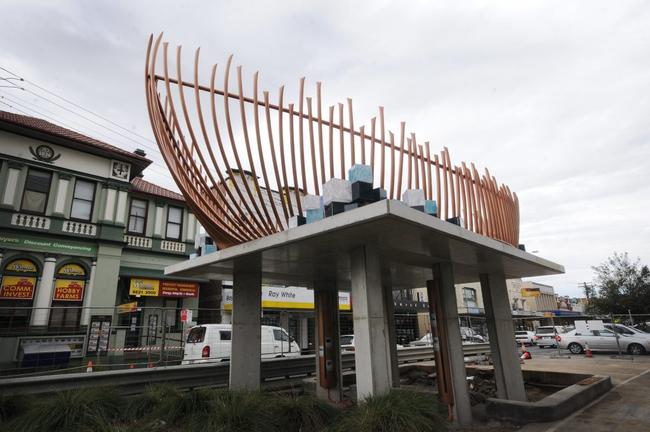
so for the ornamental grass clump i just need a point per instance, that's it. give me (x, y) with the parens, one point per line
(397, 411)
(81, 410)
(234, 411)
(303, 413)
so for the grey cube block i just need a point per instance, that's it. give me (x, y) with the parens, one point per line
(359, 172)
(296, 221)
(413, 197)
(337, 190)
(311, 202)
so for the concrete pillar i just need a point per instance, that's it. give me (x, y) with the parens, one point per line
(373, 358)
(86, 311)
(462, 404)
(389, 310)
(507, 371)
(328, 348)
(303, 335)
(246, 325)
(42, 301)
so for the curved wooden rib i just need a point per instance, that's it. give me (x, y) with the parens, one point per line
(234, 205)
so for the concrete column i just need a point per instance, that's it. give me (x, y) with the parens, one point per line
(11, 187)
(326, 312)
(462, 404)
(303, 337)
(507, 371)
(43, 298)
(120, 212)
(158, 221)
(389, 310)
(61, 195)
(246, 326)
(371, 330)
(86, 311)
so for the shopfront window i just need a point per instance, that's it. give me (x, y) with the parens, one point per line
(18, 284)
(82, 201)
(67, 299)
(137, 216)
(174, 223)
(469, 297)
(37, 188)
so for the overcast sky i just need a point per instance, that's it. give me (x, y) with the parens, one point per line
(552, 96)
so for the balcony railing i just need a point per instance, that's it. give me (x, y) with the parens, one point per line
(30, 221)
(73, 227)
(137, 241)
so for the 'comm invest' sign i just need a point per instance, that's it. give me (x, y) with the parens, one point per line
(31, 243)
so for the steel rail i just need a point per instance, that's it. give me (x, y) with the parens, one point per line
(135, 381)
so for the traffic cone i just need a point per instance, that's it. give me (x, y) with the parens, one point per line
(588, 351)
(149, 365)
(131, 366)
(89, 368)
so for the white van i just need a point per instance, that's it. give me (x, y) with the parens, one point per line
(211, 342)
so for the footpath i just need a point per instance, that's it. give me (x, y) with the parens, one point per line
(624, 408)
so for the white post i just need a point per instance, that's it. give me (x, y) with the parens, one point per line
(86, 312)
(43, 298)
(246, 341)
(373, 357)
(507, 371)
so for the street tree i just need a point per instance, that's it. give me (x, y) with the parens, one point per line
(621, 285)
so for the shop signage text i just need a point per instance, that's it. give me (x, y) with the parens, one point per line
(27, 243)
(179, 289)
(158, 288)
(288, 298)
(21, 266)
(144, 287)
(68, 290)
(17, 288)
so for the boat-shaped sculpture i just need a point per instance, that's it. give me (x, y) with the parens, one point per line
(244, 160)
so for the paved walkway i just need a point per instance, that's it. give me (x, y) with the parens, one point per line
(625, 408)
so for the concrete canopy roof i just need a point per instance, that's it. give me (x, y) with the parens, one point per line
(409, 241)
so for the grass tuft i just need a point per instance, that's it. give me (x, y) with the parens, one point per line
(88, 409)
(397, 411)
(234, 411)
(303, 413)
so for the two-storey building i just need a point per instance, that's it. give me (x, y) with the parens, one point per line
(82, 232)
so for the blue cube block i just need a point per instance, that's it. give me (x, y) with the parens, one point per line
(359, 172)
(314, 215)
(430, 207)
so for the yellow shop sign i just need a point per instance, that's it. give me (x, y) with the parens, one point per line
(144, 287)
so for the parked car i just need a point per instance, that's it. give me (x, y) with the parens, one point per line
(525, 336)
(211, 342)
(626, 330)
(603, 340)
(547, 335)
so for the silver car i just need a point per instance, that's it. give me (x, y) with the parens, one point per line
(602, 340)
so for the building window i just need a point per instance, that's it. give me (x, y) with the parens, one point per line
(67, 299)
(174, 222)
(37, 188)
(172, 310)
(469, 297)
(17, 287)
(137, 216)
(82, 201)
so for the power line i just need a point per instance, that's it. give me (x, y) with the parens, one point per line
(155, 149)
(155, 166)
(76, 105)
